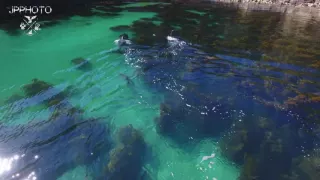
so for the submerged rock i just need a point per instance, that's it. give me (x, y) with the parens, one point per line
(275, 152)
(45, 91)
(234, 147)
(72, 112)
(37, 86)
(145, 175)
(249, 169)
(47, 149)
(307, 167)
(245, 138)
(126, 158)
(275, 157)
(155, 33)
(121, 28)
(82, 64)
(307, 106)
(272, 156)
(14, 98)
(193, 117)
(164, 125)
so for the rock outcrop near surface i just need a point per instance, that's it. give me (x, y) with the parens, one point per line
(313, 3)
(310, 3)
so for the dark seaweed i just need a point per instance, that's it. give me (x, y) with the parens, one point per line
(236, 62)
(126, 159)
(82, 64)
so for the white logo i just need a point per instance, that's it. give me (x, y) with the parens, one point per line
(30, 25)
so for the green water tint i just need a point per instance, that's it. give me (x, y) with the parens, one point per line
(196, 12)
(105, 92)
(102, 91)
(220, 36)
(69, 36)
(194, 20)
(142, 4)
(177, 27)
(97, 11)
(156, 22)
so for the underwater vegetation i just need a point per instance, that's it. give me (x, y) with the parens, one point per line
(74, 112)
(188, 110)
(277, 72)
(39, 92)
(46, 149)
(121, 28)
(244, 33)
(127, 157)
(293, 97)
(13, 98)
(259, 145)
(82, 64)
(156, 34)
(180, 121)
(271, 147)
(38, 88)
(306, 167)
(300, 168)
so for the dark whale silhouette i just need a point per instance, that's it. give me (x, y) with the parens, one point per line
(127, 79)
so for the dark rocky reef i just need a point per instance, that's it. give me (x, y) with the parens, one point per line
(82, 64)
(72, 112)
(164, 125)
(221, 33)
(261, 4)
(45, 92)
(180, 122)
(42, 93)
(154, 34)
(246, 138)
(259, 145)
(121, 28)
(47, 149)
(127, 158)
(307, 105)
(273, 156)
(12, 103)
(13, 98)
(36, 87)
(306, 167)
(265, 147)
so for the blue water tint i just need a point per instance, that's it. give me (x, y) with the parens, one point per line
(162, 108)
(251, 63)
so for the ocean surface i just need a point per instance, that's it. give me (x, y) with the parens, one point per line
(203, 92)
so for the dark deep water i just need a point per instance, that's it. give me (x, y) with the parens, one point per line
(248, 80)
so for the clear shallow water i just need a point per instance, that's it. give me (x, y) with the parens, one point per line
(215, 96)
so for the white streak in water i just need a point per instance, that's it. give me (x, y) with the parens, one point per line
(204, 158)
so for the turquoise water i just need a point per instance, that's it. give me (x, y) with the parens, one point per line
(218, 107)
(100, 92)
